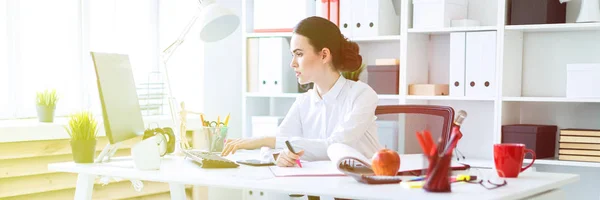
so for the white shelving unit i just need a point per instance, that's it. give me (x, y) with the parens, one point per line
(530, 77)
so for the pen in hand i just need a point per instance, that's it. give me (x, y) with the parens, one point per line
(289, 146)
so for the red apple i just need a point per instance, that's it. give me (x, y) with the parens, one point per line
(386, 162)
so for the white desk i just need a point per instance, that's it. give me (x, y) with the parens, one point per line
(178, 172)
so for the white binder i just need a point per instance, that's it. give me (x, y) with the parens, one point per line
(379, 18)
(457, 64)
(346, 22)
(480, 64)
(275, 74)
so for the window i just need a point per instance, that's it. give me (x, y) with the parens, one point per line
(47, 45)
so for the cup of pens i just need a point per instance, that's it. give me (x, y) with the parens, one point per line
(215, 133)
(215, 137)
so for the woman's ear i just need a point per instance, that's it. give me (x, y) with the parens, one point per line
(325, 55)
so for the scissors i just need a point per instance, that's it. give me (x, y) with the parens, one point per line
(215, 124)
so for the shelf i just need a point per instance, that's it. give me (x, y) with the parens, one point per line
(449, 98)
(294, 95)
(555, 27)
(385, 38)
(452, 29)
(551, 99)
(264, 35)
(275, 95)
(556, 162)
(388, 96)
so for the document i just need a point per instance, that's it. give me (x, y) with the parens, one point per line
(343, 155)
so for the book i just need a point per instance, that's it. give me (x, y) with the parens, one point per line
(563, 145)
(578, 152)
(580, 132)
(579, 158)
(345, 159)
(579, 139)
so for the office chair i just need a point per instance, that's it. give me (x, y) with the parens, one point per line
(446, 112)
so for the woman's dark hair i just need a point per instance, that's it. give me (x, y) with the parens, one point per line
(322, 33)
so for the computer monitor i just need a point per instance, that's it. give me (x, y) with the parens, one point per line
(118, 96)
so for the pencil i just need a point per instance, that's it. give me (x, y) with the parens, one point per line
(227, 119)
(202, 118)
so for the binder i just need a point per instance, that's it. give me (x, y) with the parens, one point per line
(457, 63)
(379, 18)
(329, 9)
(345, 20)
(252, 65)
(480, 64)
(275, 74)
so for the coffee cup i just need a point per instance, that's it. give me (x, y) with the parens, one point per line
(508, 159)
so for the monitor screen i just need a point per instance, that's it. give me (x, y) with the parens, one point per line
(120, 105)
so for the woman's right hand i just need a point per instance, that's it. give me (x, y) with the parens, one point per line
(288, 159)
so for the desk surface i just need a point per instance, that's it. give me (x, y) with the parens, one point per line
(179, 170)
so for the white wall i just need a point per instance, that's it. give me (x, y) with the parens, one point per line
(223, 76)
(222, 81)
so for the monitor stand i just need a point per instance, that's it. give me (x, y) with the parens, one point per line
(108, 151)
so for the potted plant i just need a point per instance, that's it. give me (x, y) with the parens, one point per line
(355, 74)
(46, 104)
(83, 130)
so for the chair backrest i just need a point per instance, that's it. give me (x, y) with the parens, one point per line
(446, 112)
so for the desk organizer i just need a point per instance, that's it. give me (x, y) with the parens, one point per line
(536, 12)
(539, 138)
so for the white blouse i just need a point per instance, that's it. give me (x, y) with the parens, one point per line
(345, 114)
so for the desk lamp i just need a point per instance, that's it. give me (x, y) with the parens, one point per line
(215, 23)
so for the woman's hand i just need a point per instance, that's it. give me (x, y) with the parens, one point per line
(232, 145)
(288, 159)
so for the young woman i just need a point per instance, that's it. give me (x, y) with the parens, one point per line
(336, 110)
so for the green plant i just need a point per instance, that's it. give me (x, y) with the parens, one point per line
(82, 126)
(47, 98)
(355, 74)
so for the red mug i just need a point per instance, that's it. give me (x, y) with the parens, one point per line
(508, 158)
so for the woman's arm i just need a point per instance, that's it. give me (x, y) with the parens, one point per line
(353, 127)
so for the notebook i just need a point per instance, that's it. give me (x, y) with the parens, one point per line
(344, 155)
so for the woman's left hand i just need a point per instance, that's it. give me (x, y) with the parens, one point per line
(232, 145)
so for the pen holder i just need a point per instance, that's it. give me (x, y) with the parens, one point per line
(215, 137)
(438, 172)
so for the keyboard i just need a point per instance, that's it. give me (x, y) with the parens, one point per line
(209, 160)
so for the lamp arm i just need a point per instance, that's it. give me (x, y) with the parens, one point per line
(168, 52)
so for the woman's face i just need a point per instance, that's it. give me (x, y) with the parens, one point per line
(308, 64)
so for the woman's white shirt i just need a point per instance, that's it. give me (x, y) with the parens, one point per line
(345, 114)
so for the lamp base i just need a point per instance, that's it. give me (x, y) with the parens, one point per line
(589, 11)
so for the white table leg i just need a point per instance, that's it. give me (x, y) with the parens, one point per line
(85, 186)
(177, 191)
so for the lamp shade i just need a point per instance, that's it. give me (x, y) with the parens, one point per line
(217, 22)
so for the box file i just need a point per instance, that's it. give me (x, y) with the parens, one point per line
(274, 72)
(252, 65)
(457, 63)
(329, 9)
(282, 19)
(480, 64)
(472, 64)
(369, 18)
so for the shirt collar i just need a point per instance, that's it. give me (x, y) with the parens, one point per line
(333, 92)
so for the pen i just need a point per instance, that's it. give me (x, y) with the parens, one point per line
(289, 146)
(202, 118)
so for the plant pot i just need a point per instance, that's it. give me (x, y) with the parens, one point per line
(84, 151)
(46, 113)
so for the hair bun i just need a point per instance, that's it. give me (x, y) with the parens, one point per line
(352, 60)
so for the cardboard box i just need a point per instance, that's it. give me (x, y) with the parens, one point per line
(387, 61)
(428, 89)
(383, 78)
(539, 138)
(583, 81)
